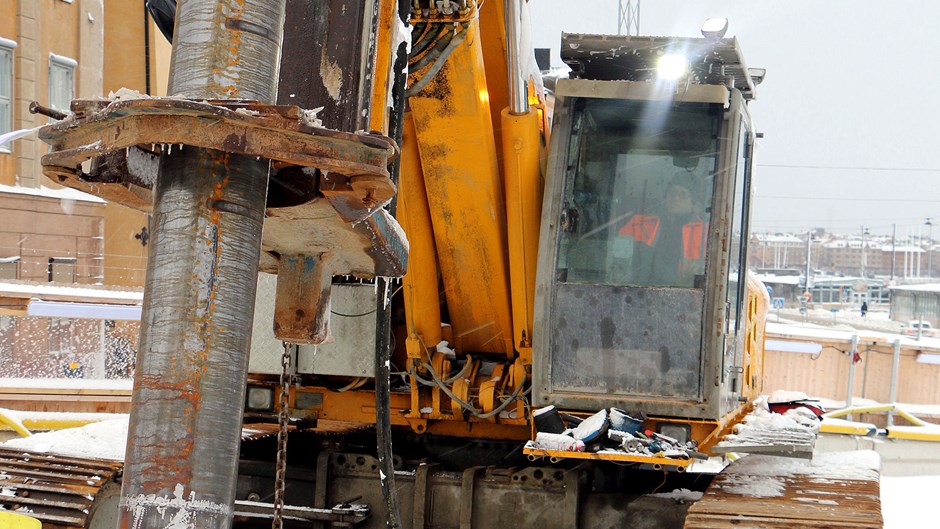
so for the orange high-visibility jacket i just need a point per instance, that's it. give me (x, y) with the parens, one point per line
(644, 228)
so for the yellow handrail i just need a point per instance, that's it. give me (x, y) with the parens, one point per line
(875, 409)
(15, 424)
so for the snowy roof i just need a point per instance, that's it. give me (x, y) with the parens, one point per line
(845, 281)
(92, 293)
(779, 280)
(929, 287)
(780, 238)
(797, 332)
(902, 249)
(88, 385)
(62, 194)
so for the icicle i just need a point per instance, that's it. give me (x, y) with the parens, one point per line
(15, 135)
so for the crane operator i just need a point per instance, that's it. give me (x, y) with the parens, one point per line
(670, 246)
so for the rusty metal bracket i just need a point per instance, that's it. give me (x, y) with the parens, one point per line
(326, 221)
(357, 163)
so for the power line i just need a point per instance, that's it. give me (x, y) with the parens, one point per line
(853, 168)
(849, 199)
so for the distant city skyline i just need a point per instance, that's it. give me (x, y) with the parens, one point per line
(846, 107)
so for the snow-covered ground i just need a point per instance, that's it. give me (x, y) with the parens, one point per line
(906, 501)
(103, 440)
(847, 318)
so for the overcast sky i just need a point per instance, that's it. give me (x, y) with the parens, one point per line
(849, 109)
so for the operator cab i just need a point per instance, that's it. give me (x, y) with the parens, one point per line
(645, 203)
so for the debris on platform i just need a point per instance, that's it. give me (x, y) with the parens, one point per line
(609, 431)
(781, 401)
(792, 433)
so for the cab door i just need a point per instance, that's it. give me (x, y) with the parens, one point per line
(624, 277)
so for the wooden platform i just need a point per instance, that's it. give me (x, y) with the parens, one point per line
(838, 491)
(66, 395)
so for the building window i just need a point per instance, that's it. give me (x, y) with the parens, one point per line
(61, 81)
(9, 268)
(62, 269)
(7, 337)
(60, 336)
(6, 88)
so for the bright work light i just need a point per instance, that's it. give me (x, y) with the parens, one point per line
(715, 28)
(671, 66)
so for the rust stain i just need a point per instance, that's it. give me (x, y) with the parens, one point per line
(229, 17)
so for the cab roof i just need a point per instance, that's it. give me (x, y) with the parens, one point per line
(628, 58)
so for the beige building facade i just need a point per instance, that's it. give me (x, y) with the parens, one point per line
(53, 51)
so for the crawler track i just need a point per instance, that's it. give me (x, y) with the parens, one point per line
(62, 492)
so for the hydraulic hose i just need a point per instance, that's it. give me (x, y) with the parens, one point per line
(424, 39)
(383, 316)
(383, 420)
(438, 64)
(440, 44)
(467, 406)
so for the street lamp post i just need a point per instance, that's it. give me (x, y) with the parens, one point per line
(929, 247)
(864, 253)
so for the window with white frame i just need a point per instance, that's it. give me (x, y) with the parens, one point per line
(61, 81)
(6, 87)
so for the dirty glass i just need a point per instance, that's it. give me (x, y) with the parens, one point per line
(637, 196)
(736, 257)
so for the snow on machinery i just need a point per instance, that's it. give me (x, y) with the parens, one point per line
(608, 287)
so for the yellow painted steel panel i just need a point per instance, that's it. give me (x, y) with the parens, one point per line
(524, 189)
(422, 299)
(18, 521)
(461, 173)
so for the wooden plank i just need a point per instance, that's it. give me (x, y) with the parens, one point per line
(833, 491)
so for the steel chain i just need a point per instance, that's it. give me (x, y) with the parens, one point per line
(282, 421)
